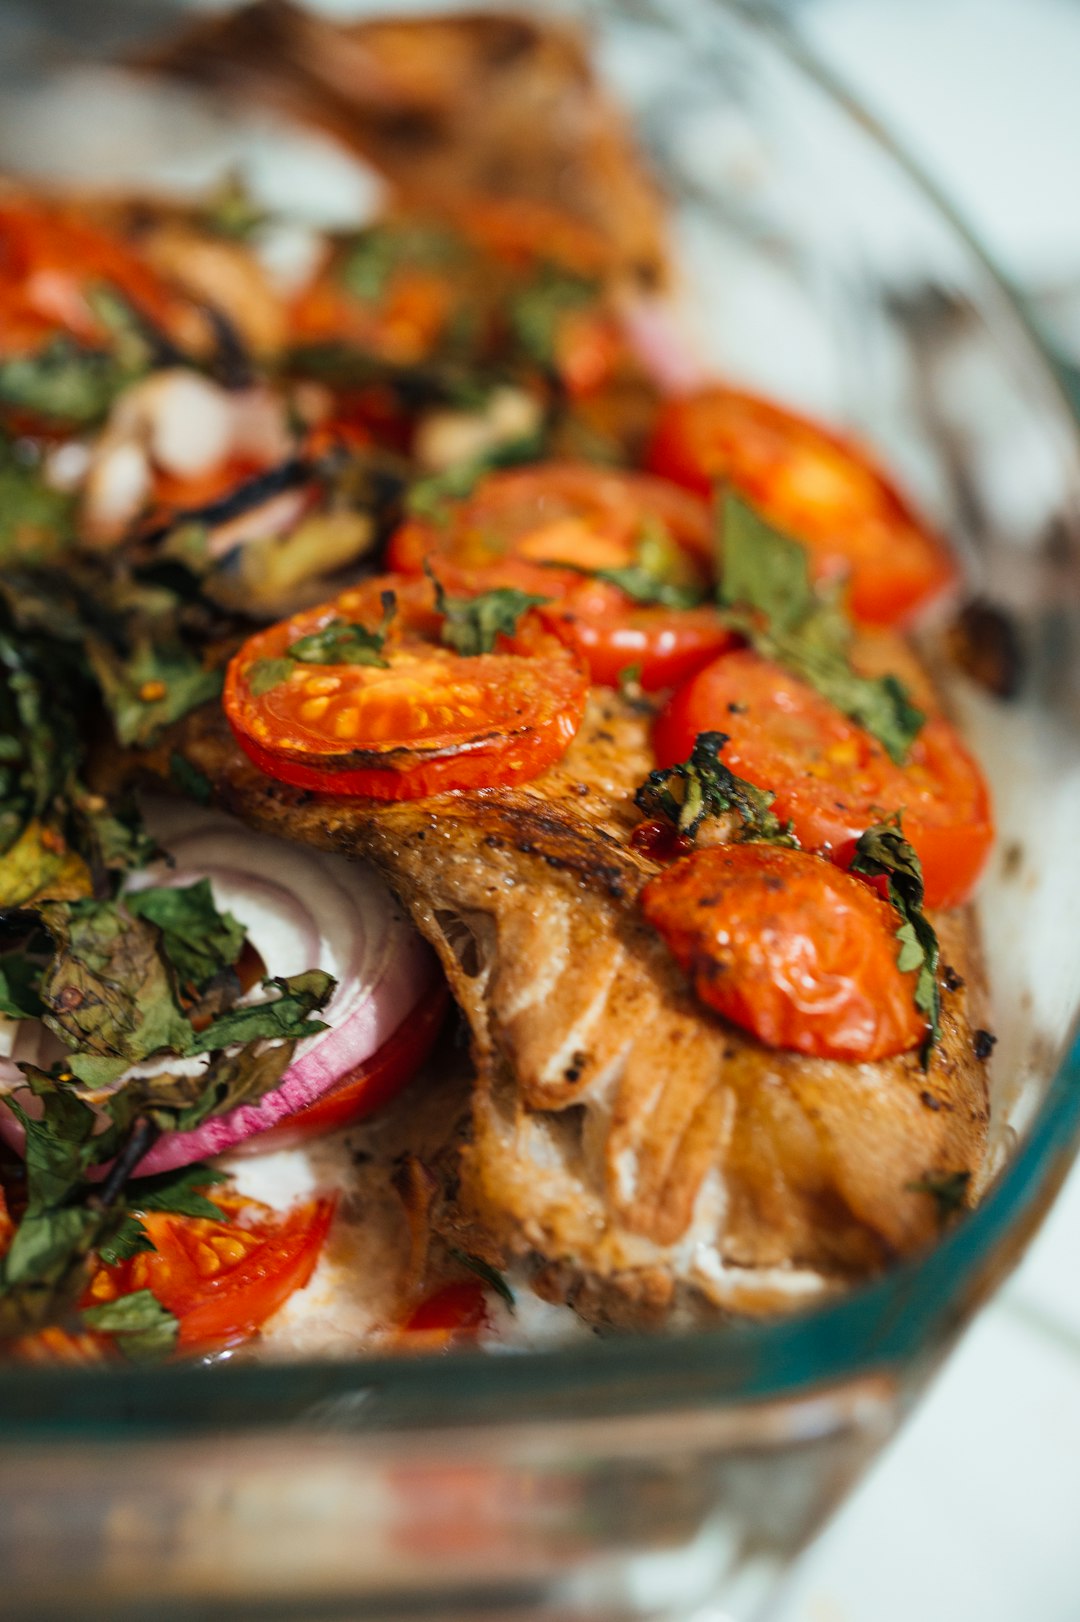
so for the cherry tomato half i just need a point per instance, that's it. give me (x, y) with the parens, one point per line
(425, 722)
(832, 778)
(790, 948)
(814, 485)
(453, 1313)
(222, 1280)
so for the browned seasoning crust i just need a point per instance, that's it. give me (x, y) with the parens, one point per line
(640, 1155)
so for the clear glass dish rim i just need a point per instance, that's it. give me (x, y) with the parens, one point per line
(905, 1317)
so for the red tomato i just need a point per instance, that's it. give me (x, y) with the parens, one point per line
(789, 947)
(454, 1312)
(50, 260)
(814, 485)
(517, 527)
(611, 632)
(429, 722)
(830, 777)
(222, 1280)
(522, 521)
(372, 1084)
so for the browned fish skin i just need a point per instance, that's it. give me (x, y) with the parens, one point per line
(639, 1153)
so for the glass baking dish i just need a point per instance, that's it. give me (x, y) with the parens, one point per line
(631, 1476)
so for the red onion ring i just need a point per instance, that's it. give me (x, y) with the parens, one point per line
(303, 909)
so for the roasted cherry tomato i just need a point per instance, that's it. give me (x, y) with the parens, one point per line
(52, 261)
(816, 486)
(613, 633)
(222, 1280)
(454, 1312)
(789, 947)
(371, 1085)
(518, 527)
(524, 522)
(423, 721)
(830, 777)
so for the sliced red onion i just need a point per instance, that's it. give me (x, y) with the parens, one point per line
(302, 909)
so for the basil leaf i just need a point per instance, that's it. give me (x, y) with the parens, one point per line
(189, 779)
(765, 588)
(883, 852)
(343, 642)
(177, 1191)
(130, 1239)
(266, 674)
(36, 521)
(63, 382)
(703, 787)
(472, 625)
(145, 1330)
(197, 939)
(109, 994)
(281, 1017)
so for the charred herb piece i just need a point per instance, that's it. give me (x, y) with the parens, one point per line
(143, 1329)
(703, 787)
(882, 852)
(472, 625)
(766, 592)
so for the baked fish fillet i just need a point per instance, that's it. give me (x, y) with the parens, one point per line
(638, 1154)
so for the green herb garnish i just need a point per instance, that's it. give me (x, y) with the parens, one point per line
(704, 787)
(340, 642)
(472, 625)
(768, 597)
(883, 852)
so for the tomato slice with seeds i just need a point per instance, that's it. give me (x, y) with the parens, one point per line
(612, 634)
(816, 486)
(426, 722)
(51, 260)
(831, 778)
(221, 1279)
(790, 948)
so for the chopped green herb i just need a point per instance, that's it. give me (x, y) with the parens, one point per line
(883, 852)
(189, 779)
(766, 590)
(145, 1331)
(198, 940)
(537, 312)
(343, 642)
(434, 496)
(472, 625)
(703, 787)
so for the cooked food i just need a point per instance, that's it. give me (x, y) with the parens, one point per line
(446, 626)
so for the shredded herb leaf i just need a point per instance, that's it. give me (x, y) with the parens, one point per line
(766, 591)
(340, 642)
(883, 852)
(433, 497)
(145, 1331)
(704, 787)
(198, 940)
(472, 625)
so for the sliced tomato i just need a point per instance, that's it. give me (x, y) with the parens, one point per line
(818, 487)
(790, 948)
(372, 1084)
(222, 1280)
(51, 262)
(525, 522)
(832, 778)
(426, 722)
(613, 633)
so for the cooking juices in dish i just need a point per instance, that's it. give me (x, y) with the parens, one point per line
(418, 561)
